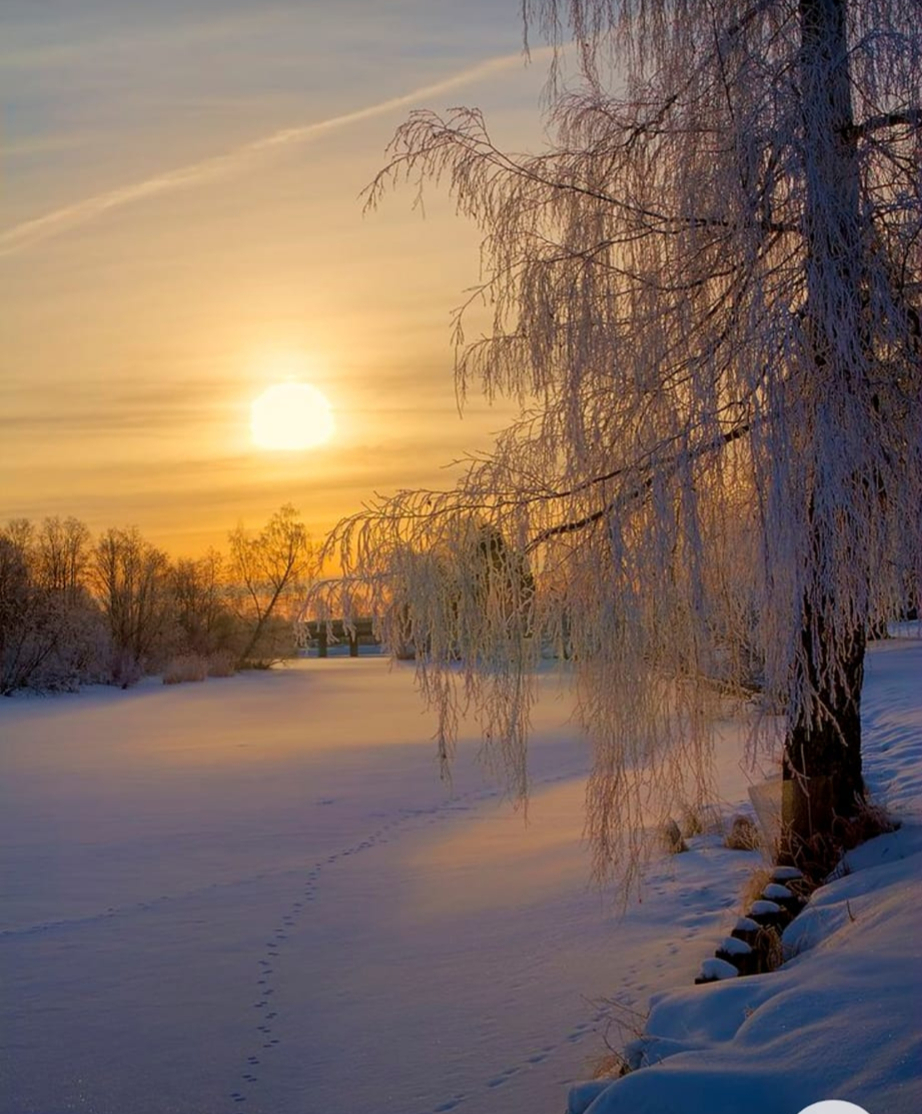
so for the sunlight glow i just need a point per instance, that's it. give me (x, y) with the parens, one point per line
(291, 416)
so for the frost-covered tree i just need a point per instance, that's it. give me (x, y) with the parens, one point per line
(706, 295)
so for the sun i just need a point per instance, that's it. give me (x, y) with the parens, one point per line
(291, 416)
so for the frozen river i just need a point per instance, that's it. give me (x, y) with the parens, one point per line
(256, 894)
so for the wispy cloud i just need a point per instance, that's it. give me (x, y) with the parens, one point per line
(26, 234)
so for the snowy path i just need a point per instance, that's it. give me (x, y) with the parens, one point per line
(256, 894)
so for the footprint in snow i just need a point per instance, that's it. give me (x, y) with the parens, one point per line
(309, 894)
(442, 1108)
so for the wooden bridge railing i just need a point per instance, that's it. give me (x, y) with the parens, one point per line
(361, 630)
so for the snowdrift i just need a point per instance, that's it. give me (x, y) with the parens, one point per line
(840, 1018)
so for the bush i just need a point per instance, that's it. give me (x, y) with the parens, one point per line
(700, 820)
(222, 663)
(755, 884)
(672, 838)
(186, 667)
(743, 835)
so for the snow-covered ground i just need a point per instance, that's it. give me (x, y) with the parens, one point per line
(256, 894)
(841, 1018)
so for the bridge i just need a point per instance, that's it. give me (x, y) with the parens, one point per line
(321, 633)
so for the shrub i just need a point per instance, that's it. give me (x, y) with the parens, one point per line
(623, 1036)
(186, 667)
(672, 838)
(755, 884)
(822, 855)
(743, 835)
(700, 820)
(222, 663)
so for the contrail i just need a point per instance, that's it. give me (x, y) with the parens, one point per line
(30, 232)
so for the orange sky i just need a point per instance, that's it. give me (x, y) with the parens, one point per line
(177, 234)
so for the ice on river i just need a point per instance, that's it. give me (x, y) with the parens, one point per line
(257, 894)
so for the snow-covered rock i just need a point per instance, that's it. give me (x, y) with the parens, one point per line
(712, 970)
(774, 891)
(764, 908)
(733, 946)
(786, 874)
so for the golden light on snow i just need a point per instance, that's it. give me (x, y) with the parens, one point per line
(291, 416)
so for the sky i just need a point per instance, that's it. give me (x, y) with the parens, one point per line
(181, 228)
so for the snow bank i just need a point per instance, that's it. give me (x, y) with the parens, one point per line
(840, 1018)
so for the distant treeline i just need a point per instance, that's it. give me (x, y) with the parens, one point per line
(75, 609)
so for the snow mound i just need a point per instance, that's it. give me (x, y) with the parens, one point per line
(774, 891)
(732, 946)
(582, 1096)
(715, 969)
(764, 908)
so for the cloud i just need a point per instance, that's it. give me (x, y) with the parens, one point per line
(28, 233)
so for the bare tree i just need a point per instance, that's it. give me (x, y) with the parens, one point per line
(28, 634)
(62, 555)
(131, 581)
(20, 532)
(265, 569)
(49, 634)
(706, 296)
(198, 589)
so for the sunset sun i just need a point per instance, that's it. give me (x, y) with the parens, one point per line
(291, 416)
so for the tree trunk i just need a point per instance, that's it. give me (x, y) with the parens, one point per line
(822, 780)
(822, 760)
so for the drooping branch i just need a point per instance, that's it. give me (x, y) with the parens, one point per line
(712, 356)
(907, 118)
(653, 475)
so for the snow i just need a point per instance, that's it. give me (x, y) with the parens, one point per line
(839, 1018)
(191, 874)
(718, 969)
(764, 908)
(732, 946)
(776, 892)
(786, 874)
(583, 1095)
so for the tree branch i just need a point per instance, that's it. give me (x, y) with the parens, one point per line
(910, 118)
(638, 492)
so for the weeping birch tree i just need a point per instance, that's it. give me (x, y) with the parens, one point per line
(705, 294)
